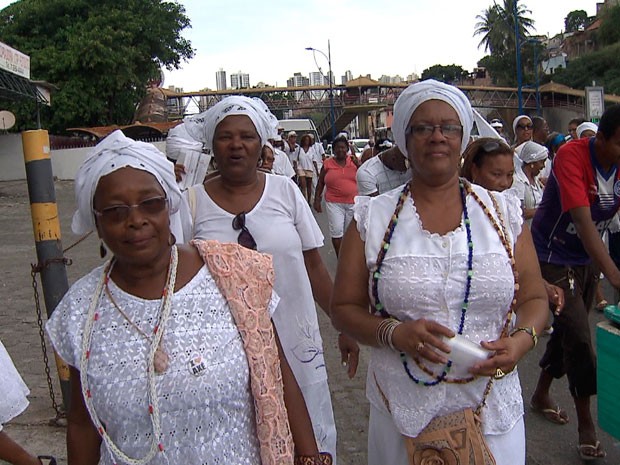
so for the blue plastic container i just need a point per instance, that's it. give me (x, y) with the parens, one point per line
(608, 375)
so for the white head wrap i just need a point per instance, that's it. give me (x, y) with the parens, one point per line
(202, 126)
(516, 121)
(533, 151)
(420, 92)
(117, 151)
(587, 126)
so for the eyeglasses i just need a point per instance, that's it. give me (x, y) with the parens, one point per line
(120, 213)
(245, 238)
(525, 127)
(493, 145)
(424, 131)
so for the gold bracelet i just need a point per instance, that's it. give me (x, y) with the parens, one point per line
(528, 330)
(321, 459)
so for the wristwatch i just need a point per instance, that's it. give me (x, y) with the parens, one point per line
(529, 330)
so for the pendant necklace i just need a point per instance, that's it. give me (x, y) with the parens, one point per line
(161, 360)
(92, 319)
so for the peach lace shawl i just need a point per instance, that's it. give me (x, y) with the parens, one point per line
(245, 279)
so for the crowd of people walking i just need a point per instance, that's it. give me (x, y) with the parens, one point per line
(198, 340)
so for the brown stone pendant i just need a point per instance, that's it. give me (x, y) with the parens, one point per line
(161, 361)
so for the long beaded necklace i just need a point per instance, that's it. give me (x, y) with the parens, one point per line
(153, 408)
(465, 189)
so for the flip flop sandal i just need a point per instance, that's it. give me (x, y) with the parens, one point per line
(601, 305)
(594, 450)
(556, 415)
(47, 460)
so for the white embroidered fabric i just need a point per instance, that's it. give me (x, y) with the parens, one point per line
(13, 390)
(283, 225)
(206, 418)
(423, 275)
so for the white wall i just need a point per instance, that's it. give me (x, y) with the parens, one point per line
(65, 162)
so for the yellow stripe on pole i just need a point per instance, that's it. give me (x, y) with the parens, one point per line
(36, 145)
(62, 368)
(45, 221)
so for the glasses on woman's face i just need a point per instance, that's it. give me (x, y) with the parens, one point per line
(120, 213)
(525, 127)
(424, 131)
(244, 238)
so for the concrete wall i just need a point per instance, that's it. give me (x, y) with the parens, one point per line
(65, 162)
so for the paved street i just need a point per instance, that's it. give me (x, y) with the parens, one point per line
(546, 443)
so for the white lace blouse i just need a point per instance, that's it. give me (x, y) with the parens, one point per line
(206, 418)
(423, 276)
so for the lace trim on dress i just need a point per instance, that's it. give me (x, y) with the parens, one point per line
(361, 205)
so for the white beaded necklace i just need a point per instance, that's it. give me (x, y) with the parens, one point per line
(153, 408)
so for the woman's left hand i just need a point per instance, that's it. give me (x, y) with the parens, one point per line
(349, 353)
(508, 352)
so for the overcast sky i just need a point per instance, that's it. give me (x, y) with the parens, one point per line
(267, 38)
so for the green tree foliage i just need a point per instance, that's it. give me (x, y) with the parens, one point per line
(444, 73)
(602, 66)
(575, 21)
(496, 26)
(101, 54)
(609, 32)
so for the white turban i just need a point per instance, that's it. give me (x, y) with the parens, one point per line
(516, 121)
(587, 126)
(117, 151)
(532, 152)
(420, 92)
(202, 126)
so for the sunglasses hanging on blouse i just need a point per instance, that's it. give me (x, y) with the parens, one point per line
(245, 238)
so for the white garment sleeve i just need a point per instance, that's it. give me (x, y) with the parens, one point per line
(366, 182)
(361, 208)
(305, 224)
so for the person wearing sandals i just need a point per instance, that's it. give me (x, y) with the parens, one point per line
(13, 401)
(172, 351)
(440, 257)
(580, 200)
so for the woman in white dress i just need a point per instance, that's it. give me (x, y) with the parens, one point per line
(168, 363)
(526, 185)
(436, 259)
(269, 213)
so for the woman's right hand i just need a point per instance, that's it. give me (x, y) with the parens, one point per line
(422, 338)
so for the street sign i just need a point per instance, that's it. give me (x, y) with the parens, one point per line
(595, 103)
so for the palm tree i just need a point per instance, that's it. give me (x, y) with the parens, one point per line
(496, 24)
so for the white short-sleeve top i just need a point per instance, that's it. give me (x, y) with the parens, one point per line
(205, 418)
(424, 276)
(283, 226)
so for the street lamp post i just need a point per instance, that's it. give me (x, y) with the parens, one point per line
(518, 52)
(331, 85)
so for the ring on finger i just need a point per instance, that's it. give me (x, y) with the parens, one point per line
(499, 373)
(419, 346)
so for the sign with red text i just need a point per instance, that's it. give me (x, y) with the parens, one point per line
(14, 61)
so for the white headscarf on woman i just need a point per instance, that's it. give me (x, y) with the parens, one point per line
(420, 92)
(587, 126)
(202, 126)
(117, 151)
(516, 121)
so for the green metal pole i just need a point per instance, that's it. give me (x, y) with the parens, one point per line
(46, 227)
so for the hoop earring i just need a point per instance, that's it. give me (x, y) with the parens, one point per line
(102, 250)
(172, 240)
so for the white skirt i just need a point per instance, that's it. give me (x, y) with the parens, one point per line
(386, 446)
(13, 390)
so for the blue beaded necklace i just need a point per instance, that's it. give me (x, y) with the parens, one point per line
(385, 245)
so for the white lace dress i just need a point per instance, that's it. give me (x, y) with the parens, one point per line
(423, 275)
(206, 418)
(13, 390)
